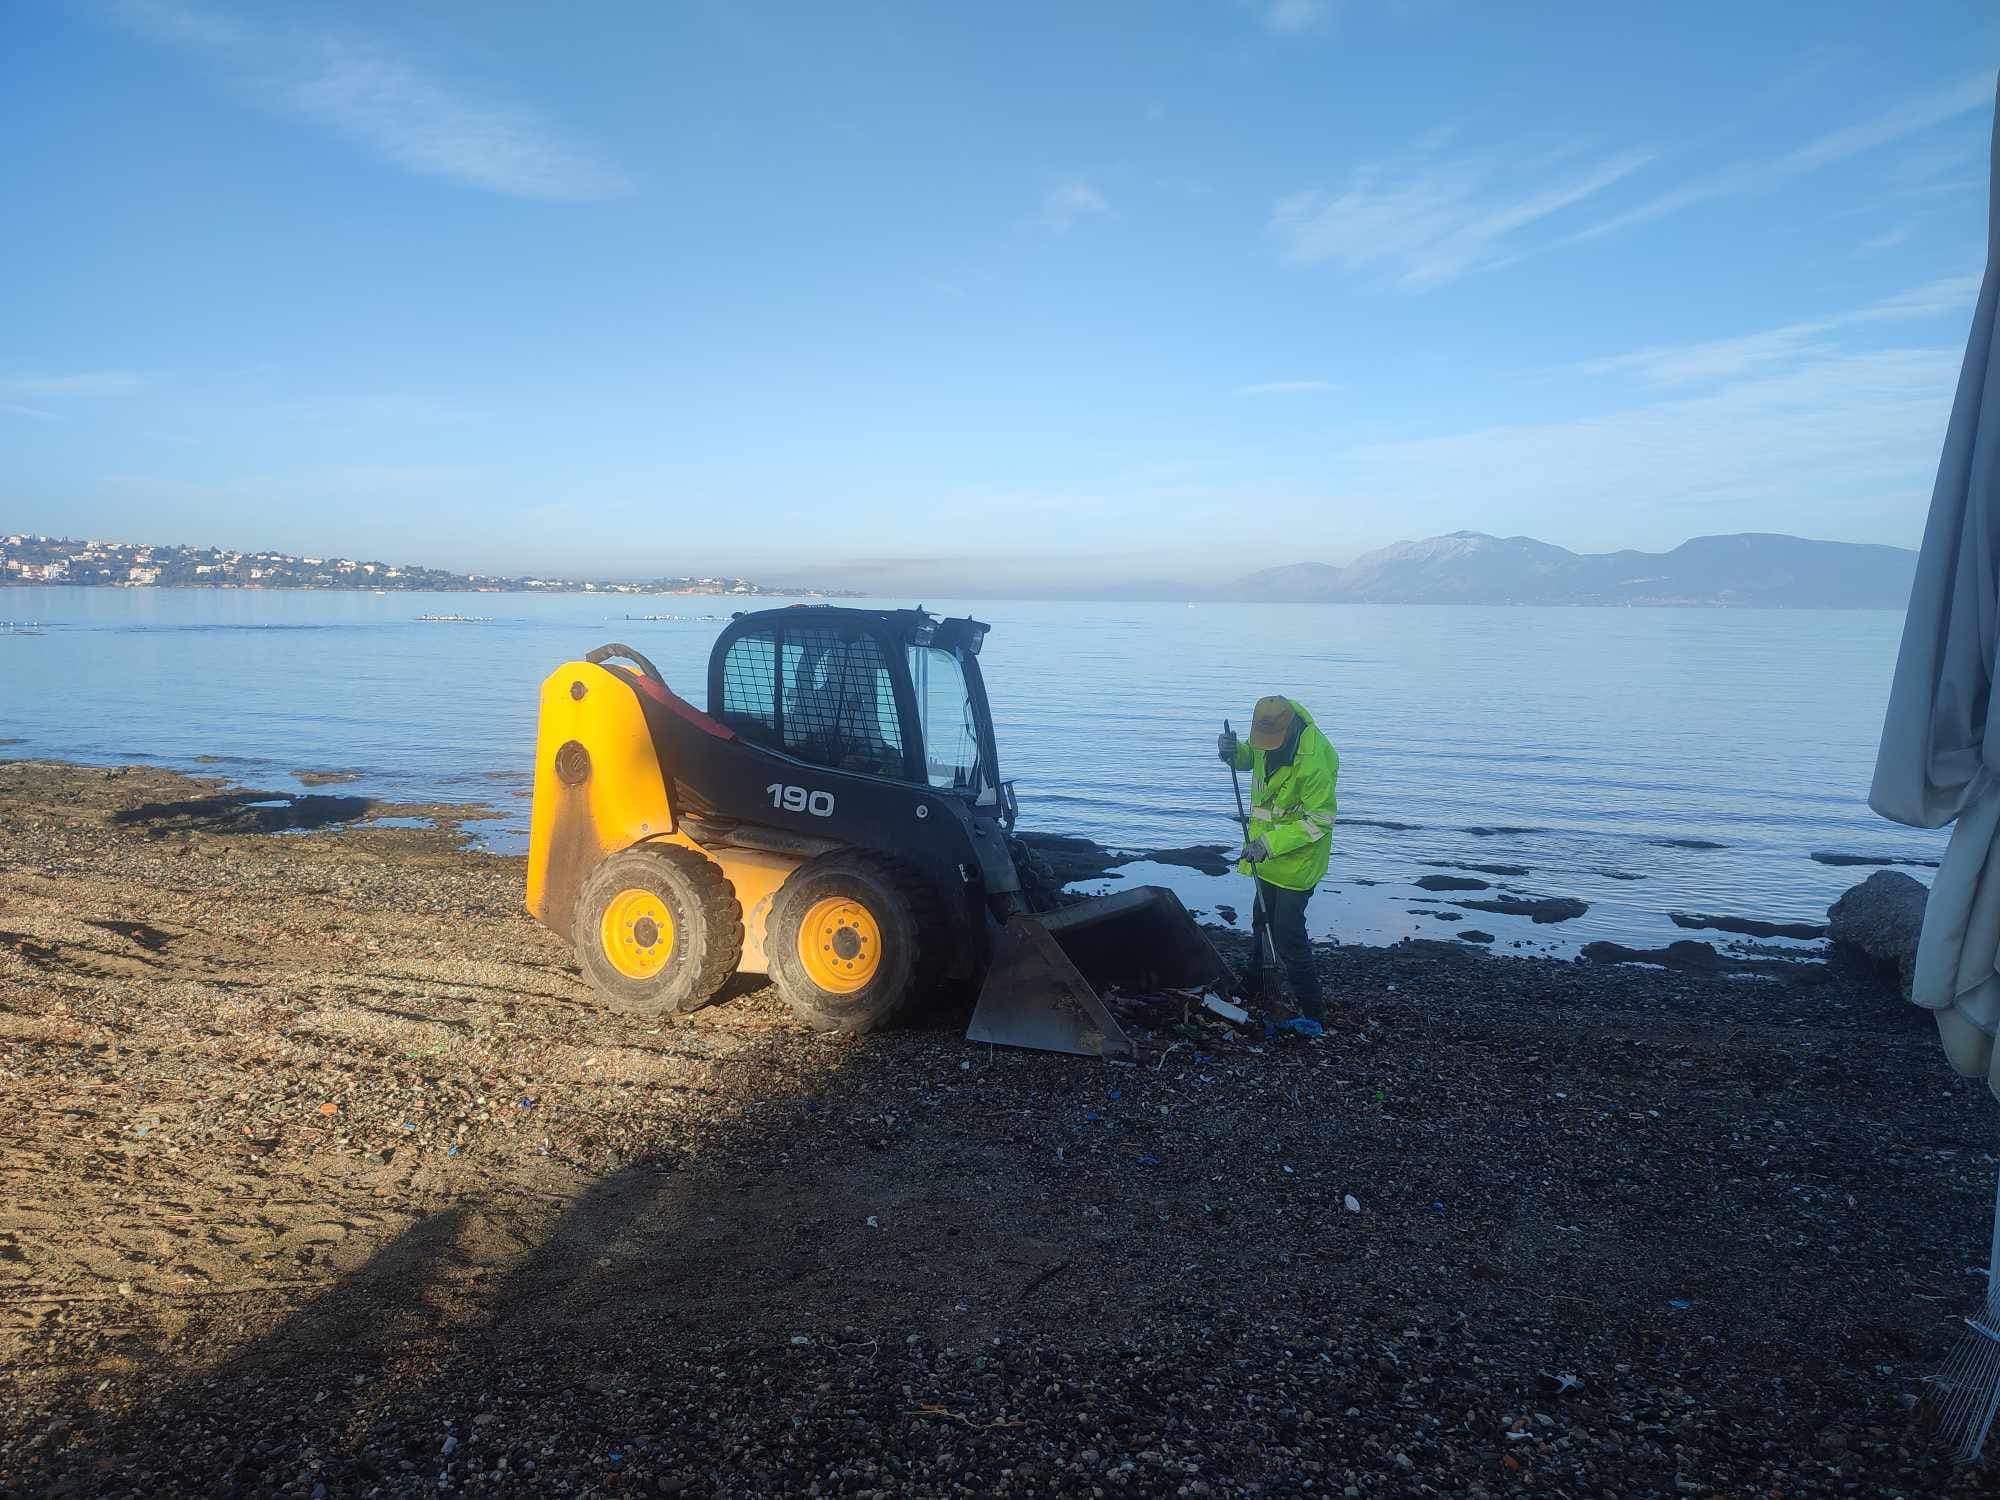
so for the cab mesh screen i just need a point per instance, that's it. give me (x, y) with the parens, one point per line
(839, 702)
(750, 684)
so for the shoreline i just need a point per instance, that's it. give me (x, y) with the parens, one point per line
(328, 1171)
(1473, 891)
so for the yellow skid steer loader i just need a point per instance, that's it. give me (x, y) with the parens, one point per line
(836, 820)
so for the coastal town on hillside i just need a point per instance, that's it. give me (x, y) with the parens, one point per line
(28, 559)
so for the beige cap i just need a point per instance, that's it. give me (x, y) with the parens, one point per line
(1270, 722)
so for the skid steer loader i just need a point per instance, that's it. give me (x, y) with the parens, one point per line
(836, 819)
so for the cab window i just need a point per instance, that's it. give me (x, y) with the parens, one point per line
(944, 709)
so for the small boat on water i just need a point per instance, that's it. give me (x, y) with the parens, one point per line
(451, 619)
(22, 627)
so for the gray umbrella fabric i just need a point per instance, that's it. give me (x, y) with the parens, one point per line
(1940, 755)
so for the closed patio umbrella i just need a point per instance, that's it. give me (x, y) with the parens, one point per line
(1940, 757)
(1940, 763)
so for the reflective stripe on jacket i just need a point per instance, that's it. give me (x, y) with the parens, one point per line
(1292, 811)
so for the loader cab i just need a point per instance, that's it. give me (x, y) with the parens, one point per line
(895, 694)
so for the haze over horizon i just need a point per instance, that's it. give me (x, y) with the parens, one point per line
(1182, 291)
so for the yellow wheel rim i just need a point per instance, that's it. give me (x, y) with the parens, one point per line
(840, 945)
(637, 933)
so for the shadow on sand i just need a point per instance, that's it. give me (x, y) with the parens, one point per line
(770, 1305)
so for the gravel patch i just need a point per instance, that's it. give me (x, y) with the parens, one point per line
(327, 1177)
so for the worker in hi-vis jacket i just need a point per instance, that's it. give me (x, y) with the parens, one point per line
(1289, 840)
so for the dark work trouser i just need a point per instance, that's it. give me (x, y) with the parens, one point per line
(1286, 911)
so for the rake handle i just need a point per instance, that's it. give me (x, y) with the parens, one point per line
(1263, 919)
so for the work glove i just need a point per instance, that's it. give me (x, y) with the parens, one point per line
(1256, 851)
(1225, 746)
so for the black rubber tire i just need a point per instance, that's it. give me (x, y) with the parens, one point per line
(708, 929)
(913, 940)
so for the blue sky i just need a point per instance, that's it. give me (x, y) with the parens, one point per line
(944, 296)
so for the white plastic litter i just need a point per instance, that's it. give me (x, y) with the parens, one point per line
(1353, 1204)
(1223, 1008)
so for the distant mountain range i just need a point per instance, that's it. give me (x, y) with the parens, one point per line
(1752, 569)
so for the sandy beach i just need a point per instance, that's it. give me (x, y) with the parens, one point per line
(326, 1176)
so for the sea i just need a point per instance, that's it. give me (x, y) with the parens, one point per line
(1646, 762)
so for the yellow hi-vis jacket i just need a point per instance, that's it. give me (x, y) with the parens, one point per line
(1292, 809)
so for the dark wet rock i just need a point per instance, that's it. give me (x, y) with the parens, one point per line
(1539, 909)
(243, 812)
(1881, 920)
(1746, 926)
(1438, 916)
(1227, 912)
(1448, 864)
(1687, 844)
(1499, 830)
(1209, 859)
(1391, 825)
(326, 778)
(1835, 857)
(1041, 888)
(1450, 883)
(1070, 858)
(1475, 935)
(1686, 953)
(1617, 874)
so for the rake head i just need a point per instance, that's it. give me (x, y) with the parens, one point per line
(1967, 1389)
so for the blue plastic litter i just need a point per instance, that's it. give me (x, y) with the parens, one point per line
(409, 1129)
(1149, 1161)
(454, 1150)
(1437, 1206)
(1682, 1303)
(1090, 1115)
(527, 1104)
(1113, 1094)
(1304, 1026)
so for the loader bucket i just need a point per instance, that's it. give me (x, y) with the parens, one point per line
(1042, 988)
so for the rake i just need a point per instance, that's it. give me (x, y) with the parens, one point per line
(1968, 1387)
(1267, 966)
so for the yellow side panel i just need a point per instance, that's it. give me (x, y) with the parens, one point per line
(586, 809)
(756, 876)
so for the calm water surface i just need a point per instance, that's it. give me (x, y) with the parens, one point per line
(1582, 741)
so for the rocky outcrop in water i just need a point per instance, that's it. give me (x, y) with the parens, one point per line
(1746, 926)
(1881, 919)
(1538, 909)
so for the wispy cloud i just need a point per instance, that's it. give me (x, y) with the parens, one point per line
(1284, 387)
(1072, 201)
(88, 383)
(1839, 445)
(1290, 17)
(1748, 354)
(1428, 221)
(361, 89)
(1887, 240)
(1906, 119)
(36, 412)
